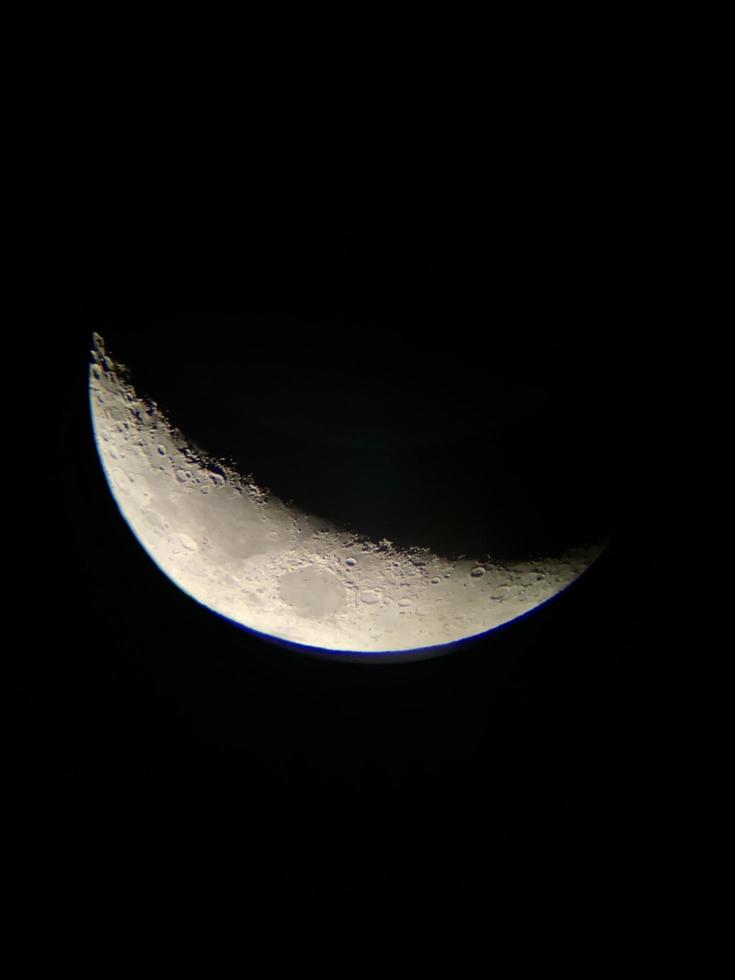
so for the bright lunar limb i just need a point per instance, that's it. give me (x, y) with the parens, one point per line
(290, 575)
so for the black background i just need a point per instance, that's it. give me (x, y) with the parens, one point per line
(162, 754)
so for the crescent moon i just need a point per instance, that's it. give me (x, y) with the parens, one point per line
(292, 576)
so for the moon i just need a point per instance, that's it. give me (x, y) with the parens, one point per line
(292, 576)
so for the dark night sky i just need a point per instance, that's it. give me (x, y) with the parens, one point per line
(161, 752)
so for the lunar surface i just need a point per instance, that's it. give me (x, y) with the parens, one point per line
(294, 576)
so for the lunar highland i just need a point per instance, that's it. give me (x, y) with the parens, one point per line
(294, 576)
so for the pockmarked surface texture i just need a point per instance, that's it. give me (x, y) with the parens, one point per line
(295, 576)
